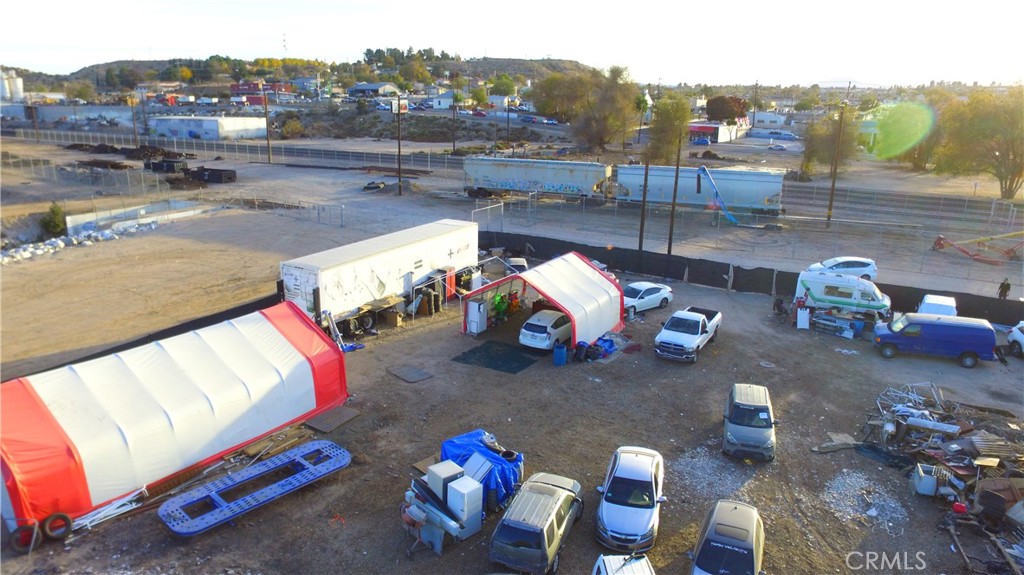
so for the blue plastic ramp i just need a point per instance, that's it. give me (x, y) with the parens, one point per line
(220, 501)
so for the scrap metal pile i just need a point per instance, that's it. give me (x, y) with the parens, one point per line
(971, 456)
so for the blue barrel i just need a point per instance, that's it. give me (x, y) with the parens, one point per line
(559, 354)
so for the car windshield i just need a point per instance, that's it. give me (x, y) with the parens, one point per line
(518, 537)
(683, 325)
(630, 493)
(724, 559)
(631, 292)
(749, 416)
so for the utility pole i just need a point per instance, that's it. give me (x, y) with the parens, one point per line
(266, 118)
(753, 119)
(643, 211)
(398, 110)
(675, 190)
(835, 165)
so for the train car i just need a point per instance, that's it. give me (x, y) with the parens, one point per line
(743, 189)
(488, 176)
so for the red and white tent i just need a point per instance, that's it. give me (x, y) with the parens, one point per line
(570, 282)
(77, 437)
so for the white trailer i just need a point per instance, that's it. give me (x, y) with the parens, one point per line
(757, 190)
(486, 176)
(351, 283)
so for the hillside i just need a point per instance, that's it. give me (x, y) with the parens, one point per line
(476, 67)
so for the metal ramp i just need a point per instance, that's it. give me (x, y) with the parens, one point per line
(220, 501)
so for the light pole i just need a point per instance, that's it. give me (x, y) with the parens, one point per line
(398, 110)
(508, 122)
(675, 190)
(266, 119)
(835, 165)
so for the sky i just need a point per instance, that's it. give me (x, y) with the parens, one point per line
(869, 43)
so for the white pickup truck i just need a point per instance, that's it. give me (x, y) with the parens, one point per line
(686, 333)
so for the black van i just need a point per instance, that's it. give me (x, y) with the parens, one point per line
(964, 338)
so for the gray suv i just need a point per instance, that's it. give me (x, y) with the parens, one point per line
(530, 534)
(749, 425)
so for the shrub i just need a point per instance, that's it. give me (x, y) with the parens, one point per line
(53, 222)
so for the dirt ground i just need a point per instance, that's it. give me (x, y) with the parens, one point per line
(564, 419)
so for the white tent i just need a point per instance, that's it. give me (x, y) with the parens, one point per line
(79, 436)
(570, 282)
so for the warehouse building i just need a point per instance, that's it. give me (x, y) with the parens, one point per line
(208, 128)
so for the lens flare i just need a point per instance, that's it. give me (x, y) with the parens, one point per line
(903, 127)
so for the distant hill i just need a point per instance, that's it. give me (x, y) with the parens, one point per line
(531, 69)
(476, 67)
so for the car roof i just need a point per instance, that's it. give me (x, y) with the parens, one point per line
(733, 521)
(644, 285)
(636, 462)
(545, 317)
(947, 319)
(839, 259)
(536, 499)
(750, 394)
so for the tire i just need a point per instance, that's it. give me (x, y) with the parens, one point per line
(663, 303)
(554, 565)
(631, 311)
(887, 350)
(865, 277)
(57, 526)
(1015, 349)
(968, 360)
(25, 539)
(714, 336)
(367, 321)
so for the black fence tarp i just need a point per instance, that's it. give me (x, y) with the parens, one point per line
(757, 280)
(715, 274)
(708, 273)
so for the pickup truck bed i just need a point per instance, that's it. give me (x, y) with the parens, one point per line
(686, 333)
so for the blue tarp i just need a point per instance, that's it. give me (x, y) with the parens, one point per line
(502, 478)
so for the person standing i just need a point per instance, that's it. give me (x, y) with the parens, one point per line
(1004, 288)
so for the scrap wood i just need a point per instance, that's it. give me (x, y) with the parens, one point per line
(273, 444)
(1009, 559)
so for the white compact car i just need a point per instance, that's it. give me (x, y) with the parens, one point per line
(848, 265)
(631, 498)
(642, 296)
(545, 329)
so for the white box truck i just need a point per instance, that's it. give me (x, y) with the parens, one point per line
(349, 284)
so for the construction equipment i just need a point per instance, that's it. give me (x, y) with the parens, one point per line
(1011, 253)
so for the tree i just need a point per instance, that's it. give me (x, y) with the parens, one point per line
(668, 127)
(820, 140)
(985, 134)
(503, 86)
(185, 74)
(726, 108)
(128, 77)
(292, 129)
(81, 89)
(54, 222)
(603, 107)
(479, 95)
(110, 78)
(909, 132)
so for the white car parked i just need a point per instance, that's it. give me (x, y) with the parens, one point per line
(631, 498)
(645, 295)
(545, 329)
(848, 265)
